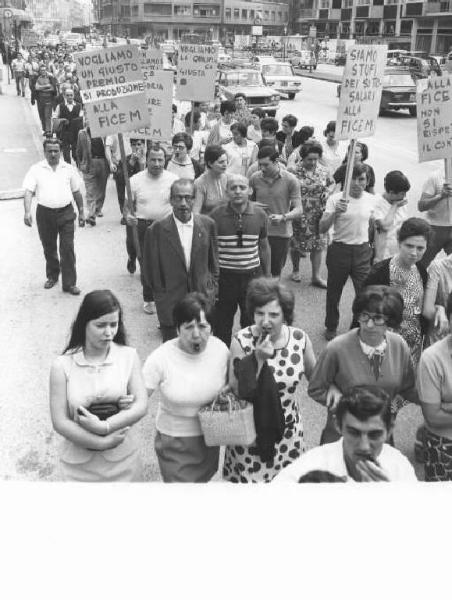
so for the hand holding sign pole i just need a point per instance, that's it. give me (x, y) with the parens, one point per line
(359, 101)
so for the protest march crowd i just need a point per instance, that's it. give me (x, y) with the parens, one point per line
(215, 214)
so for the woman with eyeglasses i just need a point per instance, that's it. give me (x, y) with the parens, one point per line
(371, 354)
(180, 163)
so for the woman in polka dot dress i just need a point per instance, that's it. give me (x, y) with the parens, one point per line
(289, 354)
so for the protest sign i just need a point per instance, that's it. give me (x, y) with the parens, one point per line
(158, 85)
(196, 72)
(29, 38)
(434, 118)
(112, 89)
(362, 82)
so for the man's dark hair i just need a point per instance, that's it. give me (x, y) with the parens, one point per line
(268, 152)
(183, 137)
(240, 127)
(364, 402)
(227, 106)
(291, 120)
(51, 141)
(240, 95)
(269, 124)
(396, 182)
(196, 117)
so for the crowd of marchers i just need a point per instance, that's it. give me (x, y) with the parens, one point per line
(214, 215)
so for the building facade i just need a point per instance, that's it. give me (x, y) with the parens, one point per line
(413, 25)
(171, 19)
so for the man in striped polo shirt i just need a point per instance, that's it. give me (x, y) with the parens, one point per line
(243, 250)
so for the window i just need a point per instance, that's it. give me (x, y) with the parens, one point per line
(206, 10)
(349, 3)
(273, 16)
(244, 13)
(252, 14)
(135, 10)
(266, 15)
(182, 10)
(324, 4)
(227, 13)
(158, 9)
(362, 2)
(280, 15)
(236, 13)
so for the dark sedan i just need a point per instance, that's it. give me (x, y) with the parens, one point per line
(399, 91)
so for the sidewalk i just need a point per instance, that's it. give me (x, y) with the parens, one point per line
(325, 72)
(20, 140)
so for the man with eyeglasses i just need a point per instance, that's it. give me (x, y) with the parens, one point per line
(364, 420)
(243, 250)
(180, 256)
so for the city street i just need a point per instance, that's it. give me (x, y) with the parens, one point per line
(36, 321)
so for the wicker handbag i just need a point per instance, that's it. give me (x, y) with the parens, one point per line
(228, 421)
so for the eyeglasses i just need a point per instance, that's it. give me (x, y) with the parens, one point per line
(377, 319)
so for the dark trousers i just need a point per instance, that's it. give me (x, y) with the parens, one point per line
(20, 83)
(232, 294)
(120, 186)
(69, 149)
(441, 239)
(54, 222)
(45, 114)
(279, 247)
(143, 224)
(169, 332)
(344, 261)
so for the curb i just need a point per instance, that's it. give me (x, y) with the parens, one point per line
(322, 77)
(17, 194)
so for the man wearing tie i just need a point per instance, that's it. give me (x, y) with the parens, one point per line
(180, 256)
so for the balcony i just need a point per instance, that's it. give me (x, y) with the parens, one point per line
(438, 8)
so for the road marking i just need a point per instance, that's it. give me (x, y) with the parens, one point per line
(14, 150)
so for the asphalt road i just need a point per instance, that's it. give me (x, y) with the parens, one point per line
(36, 321)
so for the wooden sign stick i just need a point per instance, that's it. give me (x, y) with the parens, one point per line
(129, 193)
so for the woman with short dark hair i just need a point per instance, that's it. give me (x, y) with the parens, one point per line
(181, 163)
(405, 272)
(316, 185)
(96, 394)
(267, 362)
(241, 152)
(333, 153)
(210, 188)
(189, 371)
(370, 354)
(435, 390)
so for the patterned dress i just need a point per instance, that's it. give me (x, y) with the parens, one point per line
(243, 465)
(306, 236)
(409, 285)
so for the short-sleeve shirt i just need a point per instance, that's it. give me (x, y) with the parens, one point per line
(441, 214)
(152, 194)
(280, 195)
(352, 226)
(187, 382)
(239, 157)
(382, 207)
(53, 187)
(435, 378)
(440, 279)
(112, 142)
(253, 225)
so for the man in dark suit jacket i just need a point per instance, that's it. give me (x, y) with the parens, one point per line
(180, 256)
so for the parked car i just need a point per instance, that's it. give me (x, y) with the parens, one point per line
(303, 59)
(260, 60)
(421, 66)
(250, 83)
(280, 77)
(224, 58)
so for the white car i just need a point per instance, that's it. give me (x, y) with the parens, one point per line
(280, 77)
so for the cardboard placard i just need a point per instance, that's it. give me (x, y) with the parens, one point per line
(196, 72)
(434, 118)
(112, 89)
(29, 38)
(362, 83)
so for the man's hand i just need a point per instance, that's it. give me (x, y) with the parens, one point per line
(28, 219)
(113, 167)
(441, 322)
(81, 220)
(401, 203)
(369, 471)
(131, 220)
(333, 396)
(341, 206)
(277, 219)
(446, 190)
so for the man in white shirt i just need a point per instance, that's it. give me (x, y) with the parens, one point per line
(363, 418)
(151, 202)
(56, 184)
(349, 255)
(436, 201)
(19, 67)
(390, 212)
(180, 256)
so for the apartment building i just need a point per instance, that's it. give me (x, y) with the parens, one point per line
(408, 24)
(170, 19)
